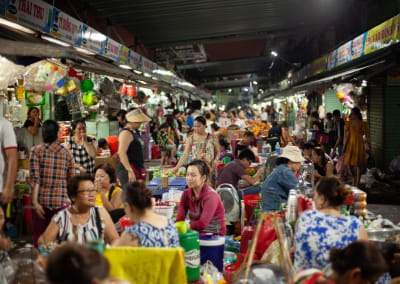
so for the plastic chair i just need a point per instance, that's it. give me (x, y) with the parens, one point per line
(147, 265)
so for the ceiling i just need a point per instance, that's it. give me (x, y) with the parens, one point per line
(208, 41)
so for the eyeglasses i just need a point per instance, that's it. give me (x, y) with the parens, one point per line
(88, 191)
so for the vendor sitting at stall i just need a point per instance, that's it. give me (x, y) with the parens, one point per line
(236, 170)
(82, 222)
(149, 229)
(276, 187)
(206, 211)
(244, 143)
(322, 165)
(109, 195)
(317, 231)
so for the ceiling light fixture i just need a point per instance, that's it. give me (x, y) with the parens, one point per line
(255, 82)
(246, 89)
(137, 71)
(123, 66)
(56, 41)
(142, 82)
(274, 53)
(154, 78)
(147, 75)
(16, 26)
(84, 51)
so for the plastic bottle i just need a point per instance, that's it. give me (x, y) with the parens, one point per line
(264, 148)
(268, 148)
(277, 148)
(292, 208)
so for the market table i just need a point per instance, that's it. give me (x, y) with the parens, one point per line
(178, 183)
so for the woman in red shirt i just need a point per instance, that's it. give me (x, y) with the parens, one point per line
(206, 211)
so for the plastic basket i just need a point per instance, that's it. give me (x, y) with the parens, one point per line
(165, 210)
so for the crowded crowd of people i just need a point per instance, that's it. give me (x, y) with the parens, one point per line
(78, 202)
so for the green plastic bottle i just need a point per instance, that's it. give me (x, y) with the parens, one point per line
(190, 243)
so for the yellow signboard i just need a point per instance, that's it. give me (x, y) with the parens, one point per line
(319, 65)
(379, 37)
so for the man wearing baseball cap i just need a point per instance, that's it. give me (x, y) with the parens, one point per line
(275, 188)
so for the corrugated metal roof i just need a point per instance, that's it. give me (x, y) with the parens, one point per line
(161, 22)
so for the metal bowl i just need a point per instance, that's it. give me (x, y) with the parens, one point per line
(381, 235)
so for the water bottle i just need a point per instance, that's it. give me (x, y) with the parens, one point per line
(277, 148)
(264, 148)
(269, 148)
(292, 208)
(190, 158)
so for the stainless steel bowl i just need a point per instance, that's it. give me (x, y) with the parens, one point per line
(381, 235)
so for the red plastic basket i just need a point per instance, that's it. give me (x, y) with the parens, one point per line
(250, 203)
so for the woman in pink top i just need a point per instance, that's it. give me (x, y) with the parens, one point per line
(206, 211)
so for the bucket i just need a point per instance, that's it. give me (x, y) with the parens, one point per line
(190, 243)
(212, 248)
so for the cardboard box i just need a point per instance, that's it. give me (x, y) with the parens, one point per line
(23, 164)
(102, 160)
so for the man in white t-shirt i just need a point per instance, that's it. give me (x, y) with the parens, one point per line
(240, 122)
(263, 115)
(8, 161)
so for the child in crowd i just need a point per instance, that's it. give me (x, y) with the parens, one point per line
(166, 144)
(247, 139)
(103, 146)
(225, 149)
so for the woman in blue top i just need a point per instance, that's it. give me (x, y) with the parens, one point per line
(318, 231)
(276, 187)
(149, 229)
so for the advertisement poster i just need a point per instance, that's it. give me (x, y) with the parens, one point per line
(343, 54)
(379, 37)
(34, 14)
(319, 65)
(111, 49)
(331, 60)
(92, 39)
(64, 27)
(123, 54)
(396, 29)
(148, 66)
(357, 46)
(133, 59)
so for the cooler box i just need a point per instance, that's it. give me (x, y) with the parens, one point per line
(212, 248)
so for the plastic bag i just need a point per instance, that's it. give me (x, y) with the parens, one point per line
(266, 237)
(340, 164)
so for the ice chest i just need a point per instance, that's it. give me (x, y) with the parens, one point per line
(212, 248)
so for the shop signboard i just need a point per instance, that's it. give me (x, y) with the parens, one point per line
(307, 71)
(111, 49)
(34, 14)
(319, 65)
(332, 57)
(343, 54)
(65, 27)
(123, 54)
(92, 39)
(133, 59)
(396, 29)
(379, 37)
(357, 46)
(148, 66)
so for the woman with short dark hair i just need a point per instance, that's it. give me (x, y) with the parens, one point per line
(82, 147)
(82, 222)
(75, 263)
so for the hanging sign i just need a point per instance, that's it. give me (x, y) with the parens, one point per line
(343, 53)
(396, 29)
(64, 27)
(148, 66)
(357, 46)
(92, 39)
(331, 63)
(319, 65)
(34, 14)
(111, 49)
(133, 59)
(379, 37)
(123, 54)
